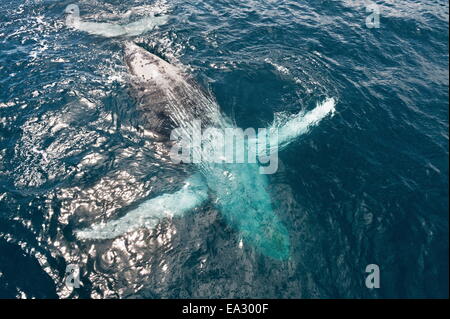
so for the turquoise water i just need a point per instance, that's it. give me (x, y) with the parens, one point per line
(369, 185)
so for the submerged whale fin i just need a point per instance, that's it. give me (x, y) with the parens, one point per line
(148, 214)
(110, 30)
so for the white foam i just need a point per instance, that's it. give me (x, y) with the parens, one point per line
(278, 67)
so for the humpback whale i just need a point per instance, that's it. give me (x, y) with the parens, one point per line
(168, 99)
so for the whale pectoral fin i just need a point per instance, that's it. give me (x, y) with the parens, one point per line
(298, 124)
(145, 24)
(148, 214)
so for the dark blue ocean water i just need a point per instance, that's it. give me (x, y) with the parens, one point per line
(367, 186)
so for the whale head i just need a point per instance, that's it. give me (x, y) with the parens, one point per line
(147, 68)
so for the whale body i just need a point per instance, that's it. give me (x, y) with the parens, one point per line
(168, 99)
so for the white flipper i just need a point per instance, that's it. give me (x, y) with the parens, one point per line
(110, 30)
(302, 122)
(149, 213)
(290, 129)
